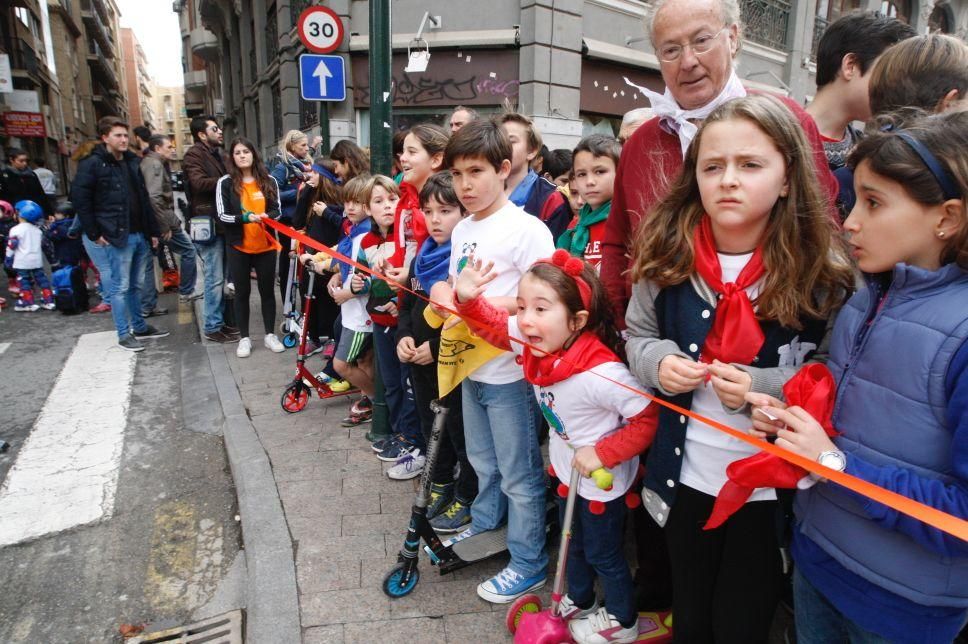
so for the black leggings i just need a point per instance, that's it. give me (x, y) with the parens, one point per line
(240, 264)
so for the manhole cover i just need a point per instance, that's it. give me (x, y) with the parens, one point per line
(222, 629)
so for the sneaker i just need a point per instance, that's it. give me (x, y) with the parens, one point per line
(357, 419)
(191, 297)
(362, 405)
(441, 497)
(244, 348)
(381, 443)
(329, 349)
(508, 585)
(221, 337)
(455, 518)
(602, 628)
(312, 348)
(26, 308)
(131, 343)
(569, 610)
(272, 343)
(339, 386)
(155, 312)
(102, 307)
(396, 450)
(231, 330)
(408, 467)
(48, 306)
(151, 332)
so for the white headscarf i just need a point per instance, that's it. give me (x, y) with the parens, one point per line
(679, 121)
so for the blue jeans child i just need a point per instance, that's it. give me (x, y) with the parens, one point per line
(28, 279)
(502, 446)
(396, 386)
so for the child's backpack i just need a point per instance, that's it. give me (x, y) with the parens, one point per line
(70, 290)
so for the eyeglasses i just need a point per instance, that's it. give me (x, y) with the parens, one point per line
(699, 45)
(214, 128)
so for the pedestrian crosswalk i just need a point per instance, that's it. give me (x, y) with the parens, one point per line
(66, 473)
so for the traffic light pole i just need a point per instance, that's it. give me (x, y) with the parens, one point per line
(381, 150)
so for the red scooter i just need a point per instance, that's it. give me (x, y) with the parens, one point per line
(296, 395)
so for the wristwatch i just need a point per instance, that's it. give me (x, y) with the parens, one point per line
(834, 459)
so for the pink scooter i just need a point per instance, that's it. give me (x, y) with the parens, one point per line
(531, 625)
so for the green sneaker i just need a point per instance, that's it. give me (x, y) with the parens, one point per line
(454, 519)
(441, 496)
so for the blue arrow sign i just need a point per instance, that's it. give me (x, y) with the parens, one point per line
(322, 78)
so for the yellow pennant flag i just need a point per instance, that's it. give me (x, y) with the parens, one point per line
(461, 352)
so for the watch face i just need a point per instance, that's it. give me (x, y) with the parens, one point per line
(833, 460)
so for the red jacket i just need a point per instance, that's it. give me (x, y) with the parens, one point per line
(651, 159)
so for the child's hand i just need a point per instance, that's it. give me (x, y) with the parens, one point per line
(342, 295)
(679, 375)
(586, 460)
(390, 308)
(765, 423)
(405, 349)
(474, 278)
(803, 435)
(730, 384)
(319, 207)
(422, 355)
(441, 293)
(356, 284)
(335, 283)
(398, 275)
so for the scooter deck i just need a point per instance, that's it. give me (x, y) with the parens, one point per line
(483, 545)
(653, 628)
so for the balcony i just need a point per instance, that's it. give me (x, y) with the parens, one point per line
(819, 26)
(766, 22)
(97, 26)
(101, 66)
(196, 80)
(204, 44)
(23, 57)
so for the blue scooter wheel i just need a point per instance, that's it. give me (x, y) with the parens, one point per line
(289, 340)
(394, 585)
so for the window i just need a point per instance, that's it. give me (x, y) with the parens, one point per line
(827, 12)
(900, 9)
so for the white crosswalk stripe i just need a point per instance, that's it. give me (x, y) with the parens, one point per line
(3, 347)
(66, 473)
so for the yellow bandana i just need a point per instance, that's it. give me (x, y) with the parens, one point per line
(461, 352)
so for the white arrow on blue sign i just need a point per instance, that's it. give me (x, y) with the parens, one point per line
(322, 78)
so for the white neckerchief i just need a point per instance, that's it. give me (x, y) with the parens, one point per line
(679, 121)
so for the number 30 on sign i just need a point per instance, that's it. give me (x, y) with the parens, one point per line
(320, 29)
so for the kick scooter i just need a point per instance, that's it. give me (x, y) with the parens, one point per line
(291, 325)
(296, 395)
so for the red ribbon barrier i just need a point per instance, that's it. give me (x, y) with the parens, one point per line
(926, 514)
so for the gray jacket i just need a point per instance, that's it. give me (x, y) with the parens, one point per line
(158, 183)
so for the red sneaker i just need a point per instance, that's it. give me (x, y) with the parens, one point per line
(103, 307)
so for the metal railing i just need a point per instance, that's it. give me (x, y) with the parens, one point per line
(766, 22)
(819, 26)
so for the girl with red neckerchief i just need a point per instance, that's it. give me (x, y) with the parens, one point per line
(738, 276)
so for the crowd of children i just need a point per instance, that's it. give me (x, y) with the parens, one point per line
(741, 278)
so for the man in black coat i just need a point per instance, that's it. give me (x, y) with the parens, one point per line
(112, 203)
(20, 182)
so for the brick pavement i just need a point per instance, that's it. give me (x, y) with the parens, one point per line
(347, 521)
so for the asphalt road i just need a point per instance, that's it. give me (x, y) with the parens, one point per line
(169, 533)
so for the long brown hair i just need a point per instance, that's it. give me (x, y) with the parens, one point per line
(327, 191)
(353, 156)
(806, 270)
(266, 183)
(600, 320)
(946, 137)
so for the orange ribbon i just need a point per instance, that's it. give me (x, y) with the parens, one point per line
(926, 514)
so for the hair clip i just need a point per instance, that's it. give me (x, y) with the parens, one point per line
(572, 267)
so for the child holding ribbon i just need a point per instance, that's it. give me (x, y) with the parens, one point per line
(736, 274)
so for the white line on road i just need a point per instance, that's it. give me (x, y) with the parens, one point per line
(66, 472)
(4, 346)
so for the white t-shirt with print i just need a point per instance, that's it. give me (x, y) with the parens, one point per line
(513, 240)
(353, 310)
(709, 451)
(582, 410)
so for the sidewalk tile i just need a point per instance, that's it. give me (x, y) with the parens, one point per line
(326, 505)
(305, 530)
(344, 606)
(473, 627)
(332, 634)
(317, 572)
(339, 548)
(432, 600)
(421, 630)
(388, 524)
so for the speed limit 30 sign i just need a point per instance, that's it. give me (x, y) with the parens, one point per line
(320, 29)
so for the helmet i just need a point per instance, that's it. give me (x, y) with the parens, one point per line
(6, 210)
(65, 208)
(29, 211)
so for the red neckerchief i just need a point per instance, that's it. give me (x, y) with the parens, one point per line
(587, 352)
(409, 200)
(813, 389)
(736, 335)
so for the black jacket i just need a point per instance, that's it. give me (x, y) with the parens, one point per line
(411, 322)
(100, 196)
(16, 185)
(228, 205)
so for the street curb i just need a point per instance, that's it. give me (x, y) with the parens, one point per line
(272, 599)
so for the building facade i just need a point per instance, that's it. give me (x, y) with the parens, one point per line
(564, 63)
(171, 118)
(138, 83)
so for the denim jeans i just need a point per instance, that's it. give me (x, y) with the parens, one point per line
(397, 387)
(596, 549)
(101, 257)
(502, 445)
(127, 268)
(819, 622)
(181, 244)
(213, 273)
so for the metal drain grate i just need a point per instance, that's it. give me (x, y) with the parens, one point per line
(222, 629)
